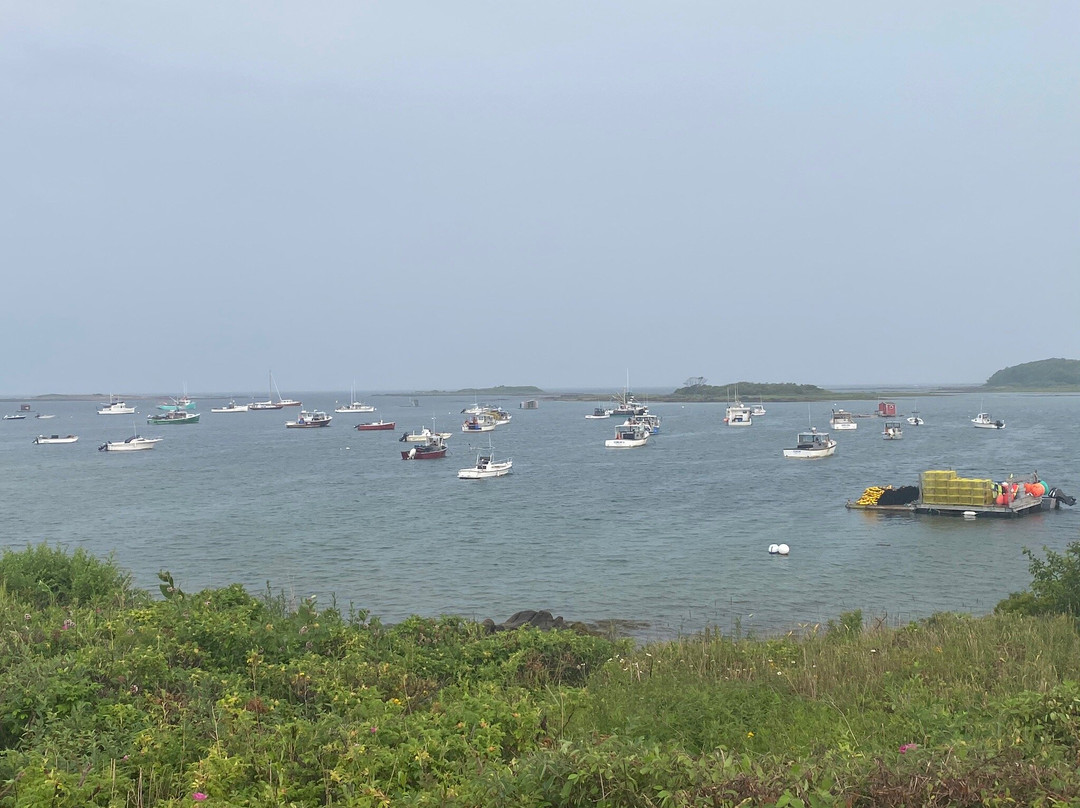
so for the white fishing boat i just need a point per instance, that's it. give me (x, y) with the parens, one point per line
(738, 414)
(135, 443)
(47, 439)
(480, 422)
(116, 407)
(424, 435)
(600, 412)
(914, 418)
(984, 421)
(892, 431)
(232, 406)
(310, 420)
(759, 409)
(486, 466)
(628, 435)
(18, 416)
(841, 420)
(812, 445)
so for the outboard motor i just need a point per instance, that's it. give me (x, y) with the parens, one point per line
(1059, 497)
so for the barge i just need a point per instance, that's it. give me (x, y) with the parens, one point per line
(943, 493)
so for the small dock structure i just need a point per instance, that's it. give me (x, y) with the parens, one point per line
(529, 404)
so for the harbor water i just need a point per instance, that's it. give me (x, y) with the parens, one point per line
(672, 537)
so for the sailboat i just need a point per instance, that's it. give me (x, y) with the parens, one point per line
(626, 404)
(914, 418)
(354, 405)
(270, 404)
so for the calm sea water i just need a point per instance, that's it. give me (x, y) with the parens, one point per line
(674, 534)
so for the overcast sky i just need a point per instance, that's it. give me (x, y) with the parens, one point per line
(413, 195)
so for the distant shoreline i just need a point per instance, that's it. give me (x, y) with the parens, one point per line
(866, 394)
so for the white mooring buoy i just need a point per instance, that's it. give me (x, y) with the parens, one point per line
(783, 549)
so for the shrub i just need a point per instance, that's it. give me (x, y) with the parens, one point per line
(44, 576)
(1055, 585)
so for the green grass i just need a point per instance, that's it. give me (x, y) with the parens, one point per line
(112, 698)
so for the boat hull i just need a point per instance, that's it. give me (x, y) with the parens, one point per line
(493, 470)
(265, 405)
(177, 417)
(238, 408)
(357, 408)
(43, 439)
(129, 445)
(420, 453)
(810, 454)
(377, 427)
(623, 443)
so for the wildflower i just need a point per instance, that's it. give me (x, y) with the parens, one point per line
(373, 730)
(750, 735)
(26, 617)
(908, 747)
(198, 796)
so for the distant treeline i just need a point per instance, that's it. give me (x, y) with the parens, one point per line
(784, 391)
(1045, 374)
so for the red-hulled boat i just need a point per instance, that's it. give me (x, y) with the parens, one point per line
(372, 426)
(432, 450)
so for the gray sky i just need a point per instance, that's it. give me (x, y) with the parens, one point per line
(441, 195)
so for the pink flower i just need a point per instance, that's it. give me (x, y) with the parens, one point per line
(373, 730)
(908, 747)
(198, 796)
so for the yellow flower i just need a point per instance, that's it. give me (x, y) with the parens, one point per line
(750, 735)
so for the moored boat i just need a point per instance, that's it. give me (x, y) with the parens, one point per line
(173, 417)
(18, 416)
(182, 403)
(135, 443)
(354, 405)
(841, 420)
(892, 431)
(47, 439)
(309, 420)
(486, 466)
(430, 450)
(424, 435)
(377, 426)
(738, 414)
(628, 435)
(599, 413)
(116, 407)
(232, 406)
(984, 421)
(811, 445)
(480, 422)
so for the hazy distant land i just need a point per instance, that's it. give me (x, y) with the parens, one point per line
(1044, 375)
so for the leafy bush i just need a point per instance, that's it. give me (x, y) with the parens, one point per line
(44, 576)
(1055, 585)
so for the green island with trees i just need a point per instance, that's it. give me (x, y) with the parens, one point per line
(112, 696)
(1045, 375)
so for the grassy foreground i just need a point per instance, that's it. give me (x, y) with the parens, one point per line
(111, 697)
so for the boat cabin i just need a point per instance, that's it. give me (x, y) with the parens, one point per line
(812, 440)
